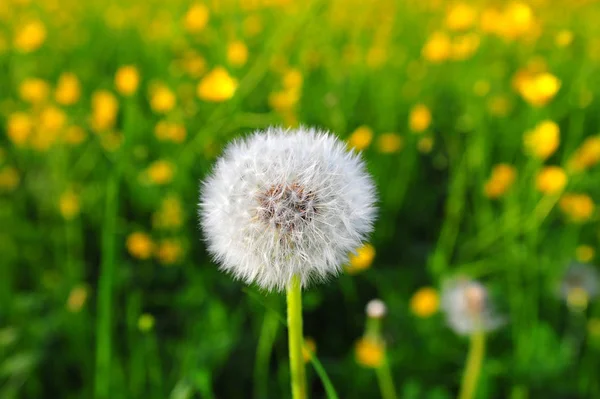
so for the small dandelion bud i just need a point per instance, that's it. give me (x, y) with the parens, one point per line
(467, 307)
(376, 309)
(284, 203)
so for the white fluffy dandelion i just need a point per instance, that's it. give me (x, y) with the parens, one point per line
(467, 307)
(283, 203)
(376, 309)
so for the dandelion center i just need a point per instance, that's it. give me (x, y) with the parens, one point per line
(286, 206)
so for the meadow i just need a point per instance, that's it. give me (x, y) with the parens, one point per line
(478, 121)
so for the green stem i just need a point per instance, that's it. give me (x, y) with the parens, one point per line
(295, 338)
(105, 288)
(386, 383)
(268, 332)
(473, 366)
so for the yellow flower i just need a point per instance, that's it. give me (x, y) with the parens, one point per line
(362, 260)
(169, 131)
(360, 138)
(34, 90)
(140, 245)
(19, 128)
(252, 25)
(104, 110)
(160, 172)
(162, 99)
(577, 207)
(563, 38)
(127, 80)
(169, 251)
(369, 352)
(543, 140)
(499, 105)
(292, 79)
(584, 253)
(69, 205)
(146, 322)
(460, 16)
(237, 53)
(539, 89)
(578, 298)
(376, 56)
(551, 180)
(425, 302)
(169, 215)
(9, 179)
(502, 178)
(217, 86)
(309, 349)
(196, 18)
(490, 20)
(464, 46)
(419, 118)
(30, 36)
(193, 64)
(425, 144)
(77, 298)
(74, 135)
(587, 155)
(516, 20)
(389, 143)
(67, 89)
(284, 100)
(437, 48)
(52, 119)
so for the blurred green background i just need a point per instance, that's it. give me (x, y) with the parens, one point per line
(478, 121)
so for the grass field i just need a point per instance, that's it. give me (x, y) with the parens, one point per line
(478, 121)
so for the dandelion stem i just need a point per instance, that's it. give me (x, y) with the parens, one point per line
(105, 288)
(473, 366)
(386, 383)
(296, 339)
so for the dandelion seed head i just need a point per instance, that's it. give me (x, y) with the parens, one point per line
(376, 309)
(579, 284)
(282, 202)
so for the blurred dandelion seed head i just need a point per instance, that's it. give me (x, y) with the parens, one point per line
(286, 202)
(467, 307)
(376, 309)
(579, 285)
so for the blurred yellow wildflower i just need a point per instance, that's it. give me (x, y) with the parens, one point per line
(77, 298)
(464, 46)
(376, 56)
(515, 21)
(162, 99)
(499, 105)
(551, 180)
(543, 140)
(577, 207)
(160, 172)
(425, 144)
(69, 205)
(389, 143)
(539, 89)
(460, 16)
(9, 179)
(19, 128)
(292, 79)
(193, 63)
(74, 135)
(127, 80)
(490, 20)
(362, 260)
(252, 25)
(52, 119)
(578, 298)
(104, 110)
(502, 178)
(237, 53)
(111, 141)
(437, 48)
(369, 352)
(360, 138)
(146, 322)
(309, 349)
(169, 215)
(563, 38)
(169, 251)
(584, 253)
(30, 36)
(419, 118)
(140, 245)
(68, 89)
(196, 18)
(170, 131)
(587, 155)
(217, 86)
(34, 90)
(425, 302)
(284, 100)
